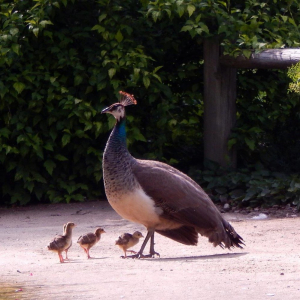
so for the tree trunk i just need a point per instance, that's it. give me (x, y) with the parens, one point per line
(267, 59)
(219, 106)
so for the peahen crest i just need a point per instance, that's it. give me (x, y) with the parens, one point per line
(127, 99)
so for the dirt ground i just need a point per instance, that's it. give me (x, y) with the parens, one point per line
(268, 267)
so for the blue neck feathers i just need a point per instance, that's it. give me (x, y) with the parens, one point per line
(117, 139)
(120, 130)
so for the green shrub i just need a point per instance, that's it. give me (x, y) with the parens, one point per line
(62, 61)
(250, 187)
(268, 121)
(294, 74)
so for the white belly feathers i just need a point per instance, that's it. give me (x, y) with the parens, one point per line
(138, 207)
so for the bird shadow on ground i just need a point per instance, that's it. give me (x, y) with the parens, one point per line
(203, 257)
(80, 260)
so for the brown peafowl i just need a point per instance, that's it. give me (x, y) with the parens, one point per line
(157, 195)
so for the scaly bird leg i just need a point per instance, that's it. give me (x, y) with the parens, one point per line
(125, 251)
(84, 249)
(60, 258)
(152, 252)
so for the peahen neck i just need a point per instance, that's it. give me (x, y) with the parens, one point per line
(117, 161)
(116, 144)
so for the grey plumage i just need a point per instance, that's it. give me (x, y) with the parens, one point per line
(159, 196)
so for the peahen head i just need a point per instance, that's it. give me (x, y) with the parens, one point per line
(118, 109)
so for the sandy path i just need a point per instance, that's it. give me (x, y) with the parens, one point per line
(268, 268)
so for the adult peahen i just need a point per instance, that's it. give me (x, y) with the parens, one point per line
(157, 195)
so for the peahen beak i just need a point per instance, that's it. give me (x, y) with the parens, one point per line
(105, 110)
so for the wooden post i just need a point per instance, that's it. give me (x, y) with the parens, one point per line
(220, 93)
(219, 105)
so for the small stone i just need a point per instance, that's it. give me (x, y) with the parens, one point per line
(226, 207)
(260, 217)
(281, 273)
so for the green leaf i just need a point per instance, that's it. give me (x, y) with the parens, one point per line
(136, 72)
(98, 28)
(60, 157)
(65, 139)
(48, 146)
(16, 48)
(45, 22)
(38, 177)
(140, 137)
(157, 68)
(204, 28)
(101, 85)
(119, 36)
(180, 10)
(186, 28)
(111, 72)
(29, 185)
(49, 165)
(155, 15)
(5, 132)
(36, 31)
(250, 143)
(157, 77)
(102, 17)
(292, 21)
(14, 31)
(191, 9)
(53, 79)
(222, 28)
(77, 80)
(146, 81)
(77, 101)
(231, 143)
(19, 87)
(18, 175)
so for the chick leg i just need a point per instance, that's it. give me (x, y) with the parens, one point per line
(60, 257)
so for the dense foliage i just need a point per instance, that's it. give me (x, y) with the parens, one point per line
(62, 61)
(250, 187)
(294, 74)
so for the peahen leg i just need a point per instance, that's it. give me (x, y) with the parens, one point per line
(150, 234)
(152, 251)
